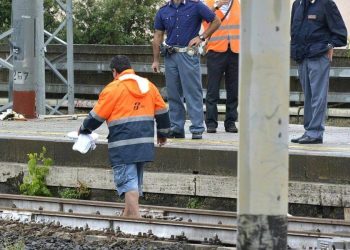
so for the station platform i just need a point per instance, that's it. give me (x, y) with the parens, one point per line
(319, 174)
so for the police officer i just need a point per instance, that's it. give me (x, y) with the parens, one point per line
(317, 27)
(181, 21)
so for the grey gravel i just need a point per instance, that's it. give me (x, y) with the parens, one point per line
(30, 236)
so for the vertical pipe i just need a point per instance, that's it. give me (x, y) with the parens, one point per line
(23, 16)
(10, 87)
(40, 58)
(70, 59)
(263, 120)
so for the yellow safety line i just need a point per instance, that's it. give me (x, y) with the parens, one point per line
(235, 143)
(322, 148)
(32, 132)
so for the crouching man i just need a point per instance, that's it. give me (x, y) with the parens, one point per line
(129, 105)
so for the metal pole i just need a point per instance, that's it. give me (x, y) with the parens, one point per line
(263, 120)
(10, 87)
(40, 59)
(23, 16)
(70, 59)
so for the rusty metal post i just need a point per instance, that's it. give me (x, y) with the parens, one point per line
(23, 18)
(263, 122)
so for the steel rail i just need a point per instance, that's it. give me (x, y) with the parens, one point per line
(311, 225)
(155, 229)
(113, 209)
(217, 227)
(194, 232)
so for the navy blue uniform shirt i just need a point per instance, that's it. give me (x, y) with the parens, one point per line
(315, 26)
(182, 23)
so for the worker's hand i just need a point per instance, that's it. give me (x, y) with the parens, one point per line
(222, 2)
(195, 42)
(161, 141)
(78, 131)
(330, 54)
(155, 67)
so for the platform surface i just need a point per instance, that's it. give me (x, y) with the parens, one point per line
(336, 139)
(318, 174)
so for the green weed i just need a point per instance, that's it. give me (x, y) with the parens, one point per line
(35, 182)
(194, 202)
(15, 246)
(80, 192)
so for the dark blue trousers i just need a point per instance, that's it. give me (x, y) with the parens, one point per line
(221, 64)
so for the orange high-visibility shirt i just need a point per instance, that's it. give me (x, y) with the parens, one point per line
(229, 30)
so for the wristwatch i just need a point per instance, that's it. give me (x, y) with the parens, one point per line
(216, 4)
(201, 37)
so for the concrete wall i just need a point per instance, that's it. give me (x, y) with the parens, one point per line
(344, 7)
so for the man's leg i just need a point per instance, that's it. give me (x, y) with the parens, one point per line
(177, 111)
(303, 72)
(215, 65)
(132, 209)
(231, 85)
(126, 181)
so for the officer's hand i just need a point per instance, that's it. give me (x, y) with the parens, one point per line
(195, 42)
(161, 141)
(330, 54)
(155, 67)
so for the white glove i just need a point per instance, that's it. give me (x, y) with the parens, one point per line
(83, 143)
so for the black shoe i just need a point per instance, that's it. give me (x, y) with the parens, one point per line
(231, 128)
(173, 134)
(211, 130)
(309, 140)
(197, 135)
(296, 140)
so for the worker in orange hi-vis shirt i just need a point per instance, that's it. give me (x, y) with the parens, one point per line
(129, 105)
(222, 60)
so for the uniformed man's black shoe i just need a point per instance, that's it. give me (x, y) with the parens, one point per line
(211, 130)
(197, 135)
(231, 128)
(296, 140)
(173, 134)
(310, 140)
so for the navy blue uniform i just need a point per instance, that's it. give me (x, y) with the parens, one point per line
(315, 27)
(182, 23)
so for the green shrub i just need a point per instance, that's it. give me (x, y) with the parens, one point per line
(80, 192)
(15, 246)
(35, 182)
(194, 202)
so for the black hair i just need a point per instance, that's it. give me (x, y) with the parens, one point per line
(120, 63)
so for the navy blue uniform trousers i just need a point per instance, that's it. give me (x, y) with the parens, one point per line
(221, 64)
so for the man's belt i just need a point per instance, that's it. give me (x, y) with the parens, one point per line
(180, 50)
(189, 50)
(169, 50)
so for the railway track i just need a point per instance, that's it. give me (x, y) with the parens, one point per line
(193, 225)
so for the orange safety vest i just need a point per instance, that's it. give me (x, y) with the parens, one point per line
(229, 30)
(129, 105)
